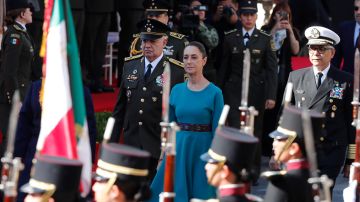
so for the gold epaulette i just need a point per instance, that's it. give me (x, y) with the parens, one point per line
(229, 32)
(273, 174)
(265, 33)
(133, 57)
(351, 151)
(176, 62)
(136, 35)
(177, 35)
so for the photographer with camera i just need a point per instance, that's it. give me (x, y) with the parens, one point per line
(286, 40)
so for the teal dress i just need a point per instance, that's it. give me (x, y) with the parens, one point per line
(192, 107)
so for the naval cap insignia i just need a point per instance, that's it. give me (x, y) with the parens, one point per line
(315, 33)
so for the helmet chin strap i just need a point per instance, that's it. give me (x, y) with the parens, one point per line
(219, 166)
(108, 186)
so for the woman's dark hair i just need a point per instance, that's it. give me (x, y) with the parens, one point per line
(12, 15)
(134, 191)
(283, 6)
(200, 46)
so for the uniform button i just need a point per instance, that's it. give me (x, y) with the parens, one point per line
(144, 88)
(22, 85)
(331, 100)
(321, 139)
(141, 111)
(323, 125)
(303, 98)
(142, 100)
(140, 123)
(334, 108)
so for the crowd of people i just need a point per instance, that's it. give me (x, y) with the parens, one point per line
(215, 53)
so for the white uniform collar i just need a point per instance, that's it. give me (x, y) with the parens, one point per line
(153, 63)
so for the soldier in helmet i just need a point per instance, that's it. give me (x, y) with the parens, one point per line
(229, 164)
(291, 184)
(55, 179)
(159, 10)
(121, 175)
(138, 108)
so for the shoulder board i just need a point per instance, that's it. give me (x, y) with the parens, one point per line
(136, 35)
(17, 27)
(176, 62)
(231, 31)
(177, 35)
(133, 57)
(273, 174)
(252, 197)
(264, 33)
(15, 36)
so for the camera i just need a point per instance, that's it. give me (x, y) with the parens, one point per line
(284, 15)
(200, 8)
(227, 12)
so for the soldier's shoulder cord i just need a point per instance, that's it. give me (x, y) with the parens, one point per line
(176, 62)
(264, 33)
(133, 50)
(127, 59)
(273, 174)
(177, 35)
(231, 31)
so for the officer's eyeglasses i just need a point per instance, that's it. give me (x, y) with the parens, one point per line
(356, 8)
(320, 49)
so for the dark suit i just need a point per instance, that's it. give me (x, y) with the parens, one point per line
(263, 77)
(291, 187)
(346, 48)
(338, 111)
(138, 108)
(235, 193)
(78, 13)
(17, 53)
(29, 128)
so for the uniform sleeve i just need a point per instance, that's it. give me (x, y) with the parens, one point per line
(218, 107)
(270, 71)
(224, 68)
(90, 117)
(351, 132)
(119, 112)
(12, 51)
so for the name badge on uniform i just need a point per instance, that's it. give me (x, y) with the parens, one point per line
(132, 77)
(337, 92)
(159, 80)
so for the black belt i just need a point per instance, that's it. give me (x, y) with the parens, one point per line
(195, 127)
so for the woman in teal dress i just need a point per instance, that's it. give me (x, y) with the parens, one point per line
(195, 106)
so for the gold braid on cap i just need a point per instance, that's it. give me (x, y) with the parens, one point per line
(216, 156)
(122, 169)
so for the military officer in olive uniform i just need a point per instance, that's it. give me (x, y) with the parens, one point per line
(17, 51)
(263, 70)
(291, 184)
(138, 108)
(324, 88)
(158, 10)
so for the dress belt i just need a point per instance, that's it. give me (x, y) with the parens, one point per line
(195, 127)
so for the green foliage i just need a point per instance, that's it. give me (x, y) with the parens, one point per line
(101, 120)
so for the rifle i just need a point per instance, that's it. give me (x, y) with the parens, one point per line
(108, 130)
(168, 140)
(355, 167)
(320, 185)
(11, 166)
(247, 114)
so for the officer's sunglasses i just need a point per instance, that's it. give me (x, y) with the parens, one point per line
(320, 49)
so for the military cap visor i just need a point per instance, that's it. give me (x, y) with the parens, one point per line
(318, 35)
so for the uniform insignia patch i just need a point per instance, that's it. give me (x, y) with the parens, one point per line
(177, 35)
(14, 41)
(154, 99)
(159, 80)
(135, 71)
(337, 92)
(132, 78)
(256, 51)
(15, 35)
(168, 50)
(272, 43)
(128, 93)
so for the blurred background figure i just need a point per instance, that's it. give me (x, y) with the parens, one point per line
(17, 52)
(286, 40)
(122, 174)
(349, 34)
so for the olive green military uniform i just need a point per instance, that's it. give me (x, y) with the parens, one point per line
(139, 104)
(173, 49)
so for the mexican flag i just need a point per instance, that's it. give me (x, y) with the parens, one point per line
(64, 130)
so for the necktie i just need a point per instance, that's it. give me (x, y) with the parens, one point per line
(357, 43)
(148, 72)
(319, 75)
(246, 38)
